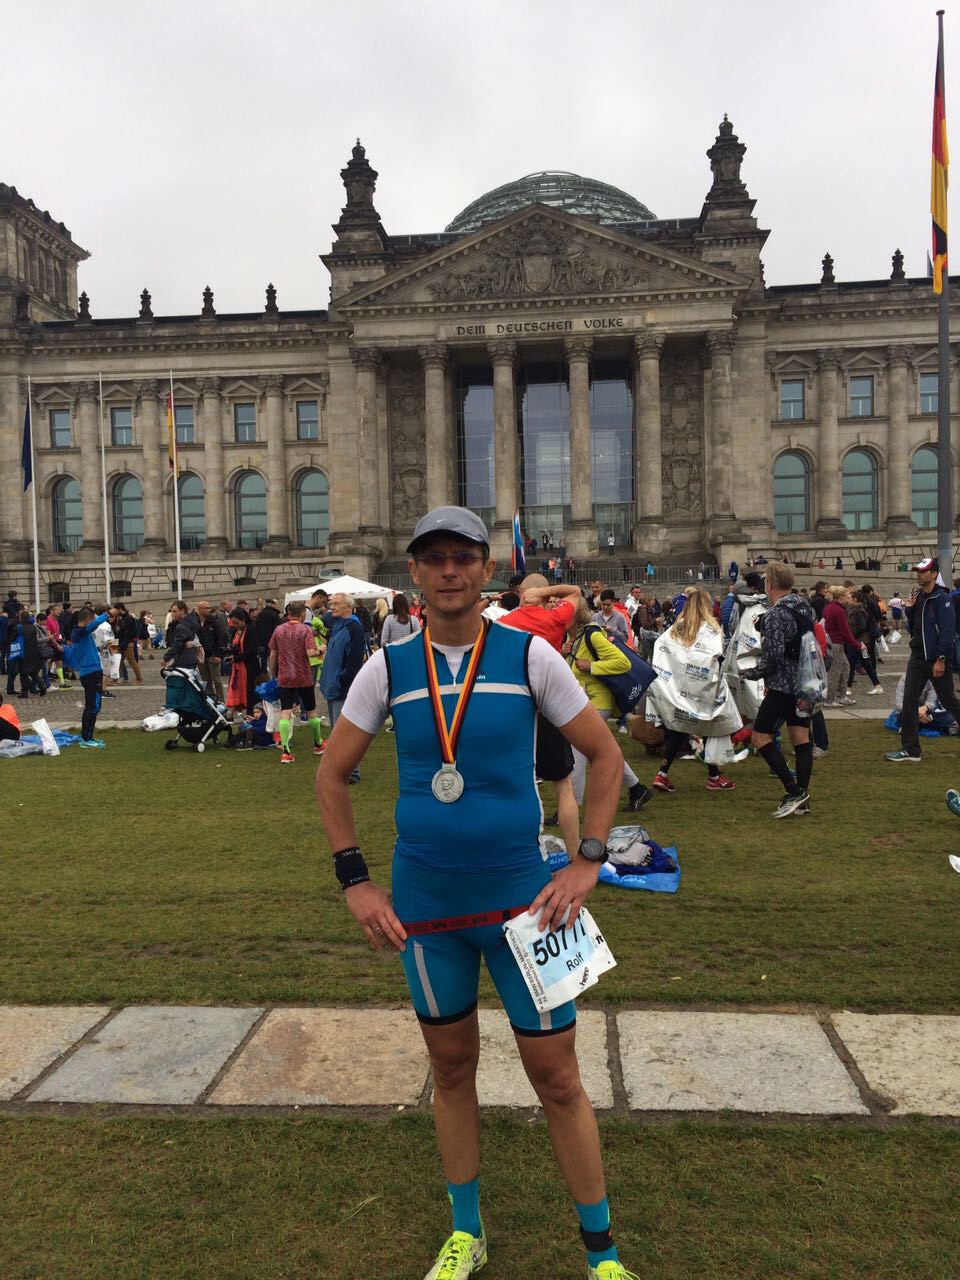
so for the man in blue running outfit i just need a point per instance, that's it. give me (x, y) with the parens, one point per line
(464, 696)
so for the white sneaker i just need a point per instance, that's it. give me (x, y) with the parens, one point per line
(623, 729)
(819, 752)
(461, 1256)
(877, 688)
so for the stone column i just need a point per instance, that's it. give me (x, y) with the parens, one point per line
(214, 494)
(720, 344)
(438, 442)
(899, 496)
(582, 534)
(278, 520)
(88, 438)
(148, 394)
(506, 460)
(830, 523)
(647, 451)
(368, 362)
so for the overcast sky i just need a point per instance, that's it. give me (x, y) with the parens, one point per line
(194, 142)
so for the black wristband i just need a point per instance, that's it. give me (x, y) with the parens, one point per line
(350, 868)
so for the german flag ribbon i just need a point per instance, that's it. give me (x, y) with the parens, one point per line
(448, 736)
(938, 180)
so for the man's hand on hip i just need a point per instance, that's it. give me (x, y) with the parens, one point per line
(567, 891)
(371, 908)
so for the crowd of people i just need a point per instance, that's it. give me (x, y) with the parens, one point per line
(315, 650)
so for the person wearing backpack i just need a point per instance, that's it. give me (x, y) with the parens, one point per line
(862, 627)
(593, 655)
(781, 628)
(25, 658)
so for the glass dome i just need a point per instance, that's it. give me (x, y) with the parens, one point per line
(568, 191)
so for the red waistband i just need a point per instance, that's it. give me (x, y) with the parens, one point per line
(476, 921)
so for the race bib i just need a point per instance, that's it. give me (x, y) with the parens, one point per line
(559, 964)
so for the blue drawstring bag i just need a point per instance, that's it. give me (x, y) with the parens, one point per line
(628, 688)
(269, 690)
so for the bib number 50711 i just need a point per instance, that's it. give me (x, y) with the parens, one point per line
(556, 943)
(560, 963)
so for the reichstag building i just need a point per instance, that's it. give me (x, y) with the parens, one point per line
(557, 349)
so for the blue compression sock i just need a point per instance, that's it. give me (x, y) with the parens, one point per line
(465, 1203)
(595, 1230)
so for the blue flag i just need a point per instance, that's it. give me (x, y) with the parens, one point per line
(519, 563)
(26, 456)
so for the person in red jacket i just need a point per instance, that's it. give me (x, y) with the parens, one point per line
(837, 627)
(9, 722)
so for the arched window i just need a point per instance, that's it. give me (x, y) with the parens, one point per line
(791, 493)
(193, 527)
(67, 515)
(128, 514)
(313, 509)
(924, 475)
(250, 499)
(860, 490)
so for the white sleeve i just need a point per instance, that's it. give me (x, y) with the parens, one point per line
(556, 690)
(366, 703)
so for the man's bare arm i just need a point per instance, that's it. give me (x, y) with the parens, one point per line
(368, 902)
(567, 891)
(558, 591)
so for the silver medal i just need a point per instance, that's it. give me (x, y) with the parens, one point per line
(447, 784)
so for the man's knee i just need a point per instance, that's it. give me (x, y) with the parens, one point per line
(454, 1068)
(759, 740)
(557, 1084)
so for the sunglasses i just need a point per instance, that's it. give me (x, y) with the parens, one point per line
(460, 559)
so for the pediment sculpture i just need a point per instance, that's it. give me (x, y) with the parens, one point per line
(536, 262)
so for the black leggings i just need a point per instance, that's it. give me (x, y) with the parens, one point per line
(92, 685)
(673, 743)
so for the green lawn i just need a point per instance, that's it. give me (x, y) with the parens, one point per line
(136, 874)
(341, 1198)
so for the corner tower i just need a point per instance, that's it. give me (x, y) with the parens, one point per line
(38, 263)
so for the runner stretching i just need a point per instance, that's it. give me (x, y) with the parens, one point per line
(464, 695)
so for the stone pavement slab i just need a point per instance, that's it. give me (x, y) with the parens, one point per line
(735, 1061)
(913, 1060)
(501, 1080)
(150, 1055)
(33, 1037)
(329, 1057)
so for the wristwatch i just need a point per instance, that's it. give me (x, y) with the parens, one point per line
(593, 850)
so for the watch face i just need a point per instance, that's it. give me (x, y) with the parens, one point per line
(593, 850)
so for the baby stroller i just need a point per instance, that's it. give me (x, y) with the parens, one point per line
(200, 719)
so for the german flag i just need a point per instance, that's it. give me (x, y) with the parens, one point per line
(938, 177)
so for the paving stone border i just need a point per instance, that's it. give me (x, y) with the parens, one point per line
(632, 1061)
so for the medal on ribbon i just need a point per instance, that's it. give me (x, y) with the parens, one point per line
(448, 783)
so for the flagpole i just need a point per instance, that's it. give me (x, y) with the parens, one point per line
(103, 494)
(33, 503)
(944, 450)
(176, 488)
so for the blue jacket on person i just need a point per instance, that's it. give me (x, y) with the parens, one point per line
(726, 609)
(343, 658)
(938, 625)
(85, 659)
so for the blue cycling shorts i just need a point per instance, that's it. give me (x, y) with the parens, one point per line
(443, 974)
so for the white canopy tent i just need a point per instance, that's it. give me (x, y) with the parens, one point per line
(346, 584)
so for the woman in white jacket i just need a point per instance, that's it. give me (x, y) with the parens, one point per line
(690, 696)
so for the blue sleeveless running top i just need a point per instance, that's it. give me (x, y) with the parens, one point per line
(482, 852)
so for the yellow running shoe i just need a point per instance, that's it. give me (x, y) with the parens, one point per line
(460, 1257)
(610, 1271)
